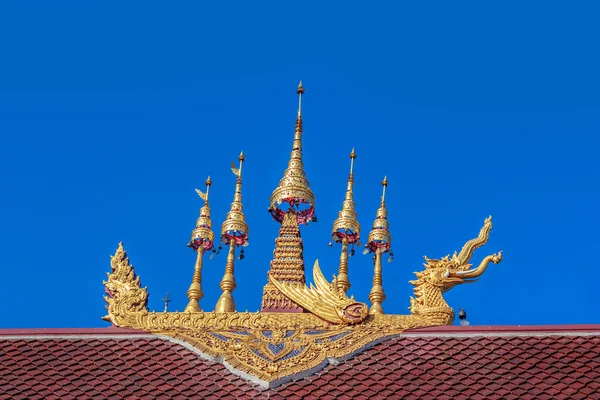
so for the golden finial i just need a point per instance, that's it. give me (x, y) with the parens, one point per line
(346, 229)
(202, 241)
(300, 92)
(379, 242)
(294, 188)
(234, 232)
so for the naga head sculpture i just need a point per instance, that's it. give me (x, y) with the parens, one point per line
(447, 272)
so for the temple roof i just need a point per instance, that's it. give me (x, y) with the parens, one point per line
(438, 362)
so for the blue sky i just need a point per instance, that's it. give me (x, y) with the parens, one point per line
(112, 113)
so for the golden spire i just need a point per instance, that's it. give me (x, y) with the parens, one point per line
(294, 188)
(380, 241)
(202, 241)
(234, 232)
(346, 229)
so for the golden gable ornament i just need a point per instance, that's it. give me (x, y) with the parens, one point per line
(299, 329)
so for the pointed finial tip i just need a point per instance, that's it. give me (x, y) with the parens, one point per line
(300, 88)
(352, 154)
(241, 157)
(208, 181)
(385, 181)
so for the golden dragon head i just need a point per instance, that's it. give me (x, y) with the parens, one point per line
(448, 272)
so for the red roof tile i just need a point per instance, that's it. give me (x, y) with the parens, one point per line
(441, 363)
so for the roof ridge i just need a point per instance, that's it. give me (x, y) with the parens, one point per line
(111, 330)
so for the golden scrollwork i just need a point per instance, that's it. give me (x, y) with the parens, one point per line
(282, 351)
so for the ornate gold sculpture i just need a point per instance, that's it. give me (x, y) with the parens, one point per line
(443, 274)
(325, 300)
(125, 295)
(300, 327)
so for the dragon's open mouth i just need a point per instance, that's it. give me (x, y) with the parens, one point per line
(470, 274)
(476, 272)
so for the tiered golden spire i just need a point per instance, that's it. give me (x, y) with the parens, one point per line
(294, 188)
(202, 241)
(346, 230)
(380, 241)
(234, 232)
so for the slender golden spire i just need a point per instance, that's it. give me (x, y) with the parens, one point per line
(202, 241)
(380, 241)
(234, 232)
(294, 188)
(346, 230)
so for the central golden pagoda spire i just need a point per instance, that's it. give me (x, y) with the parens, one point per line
(294, 188)
(380, 240)
(346, 230)
(234, 233)
(202, 241)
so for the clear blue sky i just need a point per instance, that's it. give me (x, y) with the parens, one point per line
(111, 114)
